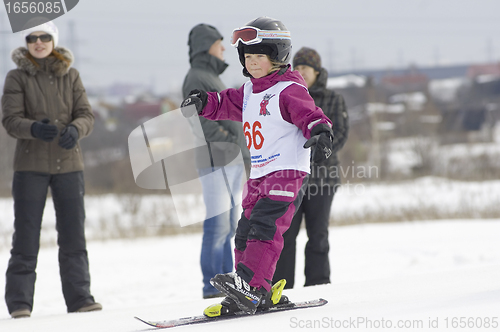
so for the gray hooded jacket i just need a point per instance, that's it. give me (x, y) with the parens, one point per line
(204, 75)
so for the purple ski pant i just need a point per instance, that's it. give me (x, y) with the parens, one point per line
(269, 204)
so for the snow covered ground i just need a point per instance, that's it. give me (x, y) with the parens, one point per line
(410, 276)
(128, 216)
(445, 160)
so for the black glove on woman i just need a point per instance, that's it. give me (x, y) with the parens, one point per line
(69, 137)
(43, 130)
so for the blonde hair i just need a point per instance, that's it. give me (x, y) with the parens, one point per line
(275, 65)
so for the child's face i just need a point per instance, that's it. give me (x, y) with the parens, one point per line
(258, 65)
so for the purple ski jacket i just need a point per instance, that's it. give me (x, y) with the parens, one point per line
(296, 105)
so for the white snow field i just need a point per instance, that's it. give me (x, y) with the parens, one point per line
(412, 276)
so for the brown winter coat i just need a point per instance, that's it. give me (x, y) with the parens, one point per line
(54, 91)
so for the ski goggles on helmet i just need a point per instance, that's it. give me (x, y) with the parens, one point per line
(252, 35)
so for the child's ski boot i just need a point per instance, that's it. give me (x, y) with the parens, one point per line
(247, 298)
(229, 306)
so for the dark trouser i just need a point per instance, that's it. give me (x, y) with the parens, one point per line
(316, 210)
(29, 190)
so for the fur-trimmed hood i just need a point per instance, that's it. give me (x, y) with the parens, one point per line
(58, 67)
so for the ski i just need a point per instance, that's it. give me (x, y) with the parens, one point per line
(204, 319)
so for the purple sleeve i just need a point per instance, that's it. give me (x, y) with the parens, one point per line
(298, 107)
(225, 105)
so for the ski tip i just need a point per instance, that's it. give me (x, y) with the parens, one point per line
(162, 324)
(144, 321)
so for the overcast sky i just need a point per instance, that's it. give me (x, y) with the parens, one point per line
(145, 41)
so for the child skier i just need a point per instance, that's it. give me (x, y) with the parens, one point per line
(281, 122)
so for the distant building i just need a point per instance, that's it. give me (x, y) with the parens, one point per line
(411, 81)
(141, 110)
(491, 70)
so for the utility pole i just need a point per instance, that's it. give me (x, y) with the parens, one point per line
(372, 99)
(330, 54)
(4, 52)
(73, 42)
(437, 58)
(353, 59)
(489, 51)
(401, 58)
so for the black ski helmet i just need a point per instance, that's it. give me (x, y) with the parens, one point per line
(280, 49)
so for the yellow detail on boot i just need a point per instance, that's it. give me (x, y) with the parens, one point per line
(213, 310)
(276, 291)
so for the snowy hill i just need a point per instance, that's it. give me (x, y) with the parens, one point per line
(400, 276)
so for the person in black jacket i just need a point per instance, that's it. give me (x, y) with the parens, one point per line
(207, 63)
(323, 182)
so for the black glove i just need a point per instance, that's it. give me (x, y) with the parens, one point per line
(69, 137)
(198, 98)
(42, 130)
(321, 142)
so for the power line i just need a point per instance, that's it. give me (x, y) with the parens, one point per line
(4, 52)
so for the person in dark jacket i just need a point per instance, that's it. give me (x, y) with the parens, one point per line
(45, 108)
(323, 182)
(207, 63)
